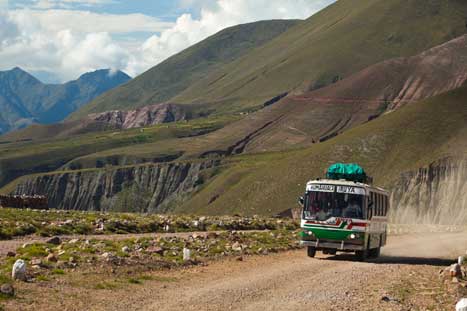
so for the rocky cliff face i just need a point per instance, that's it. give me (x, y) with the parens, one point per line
(150, 188)
(436, 194)
(145, 116)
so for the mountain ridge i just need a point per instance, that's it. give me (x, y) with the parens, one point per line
(25, 100)
(173, 75)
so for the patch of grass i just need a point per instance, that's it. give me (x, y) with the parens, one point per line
(58, 271)
(33, 250)
(107, 285)
(135, 281)
(56, 222)
(42, 278)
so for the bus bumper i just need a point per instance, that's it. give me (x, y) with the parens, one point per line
(342, 245)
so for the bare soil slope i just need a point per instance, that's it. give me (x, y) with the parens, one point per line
(316, 116)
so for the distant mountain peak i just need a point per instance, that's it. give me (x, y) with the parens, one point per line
(25, 100)
(105, 74)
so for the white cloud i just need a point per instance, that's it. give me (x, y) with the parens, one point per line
(67, 4)
(88, 22)
(215, 16)
(70, 42)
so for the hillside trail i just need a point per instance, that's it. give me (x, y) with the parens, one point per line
(290, 281)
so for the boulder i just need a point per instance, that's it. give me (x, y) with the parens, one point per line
(155, 250)
(52, 258)
(125, 249)
(455, 270)
(461, 305)
(237, 247)
(18, 271)
(186, 254)
(7, 290)
(36, 262)
(11, 254)
(55, 241)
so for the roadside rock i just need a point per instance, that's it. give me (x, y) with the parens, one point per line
(455, 270)
(52, 258)
(155, 250)
(125, 249)
(237, 247)
(36, 262)
(11, 254)
(7, 290)
(186, 254)
(19, 270)
(55, 241)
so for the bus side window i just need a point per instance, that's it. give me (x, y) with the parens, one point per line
(381, 205)
(373, 204)
(386, 205)
(378, 204)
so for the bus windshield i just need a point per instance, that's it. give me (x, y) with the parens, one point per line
(324, 205)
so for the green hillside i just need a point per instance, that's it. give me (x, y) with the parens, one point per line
(159, 143)
(174, 75)
(342, 39)
(404, 140)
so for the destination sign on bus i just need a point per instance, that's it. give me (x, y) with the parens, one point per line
(351, 190)
(321, 188)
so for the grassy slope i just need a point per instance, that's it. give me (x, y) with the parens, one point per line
(22, 158)
(409, 138)
(178, 72)
(342, 39)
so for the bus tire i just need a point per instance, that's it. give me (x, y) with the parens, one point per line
(361, 255)
(311, 251)
(375, 252)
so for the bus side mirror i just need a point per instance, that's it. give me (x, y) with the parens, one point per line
(301, 201)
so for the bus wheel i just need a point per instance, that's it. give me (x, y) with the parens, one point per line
(311, 251)
(375, 252)
(361, 255)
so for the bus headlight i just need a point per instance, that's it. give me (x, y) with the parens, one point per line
(310, 233)
(354, 236)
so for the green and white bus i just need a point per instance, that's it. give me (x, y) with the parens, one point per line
(344, 216)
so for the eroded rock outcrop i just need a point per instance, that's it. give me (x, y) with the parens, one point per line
(146, 188)
(144, 116)
(434, 194)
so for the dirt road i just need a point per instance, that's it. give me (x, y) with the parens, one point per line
(404, 278)
(291, 281)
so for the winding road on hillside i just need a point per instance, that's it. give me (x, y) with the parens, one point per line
(291, 281)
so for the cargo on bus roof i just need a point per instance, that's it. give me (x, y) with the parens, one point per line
(351, 172)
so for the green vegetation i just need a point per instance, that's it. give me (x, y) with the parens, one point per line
(329, 46)
(346, 37)
(90, 150)
(174, 75)
(144, 254)
(53, 222)
(397, 142)
(342, 39)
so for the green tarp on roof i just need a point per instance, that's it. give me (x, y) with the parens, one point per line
(352, 172)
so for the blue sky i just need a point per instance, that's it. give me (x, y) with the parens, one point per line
(58, 40)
